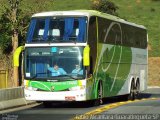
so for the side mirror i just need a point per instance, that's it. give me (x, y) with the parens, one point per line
(86, 56)
(16, 56)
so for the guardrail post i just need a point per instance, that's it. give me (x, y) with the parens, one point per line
(3, 78)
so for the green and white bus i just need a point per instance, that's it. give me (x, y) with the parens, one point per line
(110, 52)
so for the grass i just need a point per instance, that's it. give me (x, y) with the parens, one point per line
(55, 5)
(144, 12)
(71, 4)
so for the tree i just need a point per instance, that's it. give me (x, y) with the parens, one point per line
(14, 22)
(104, 6)
(13, 25)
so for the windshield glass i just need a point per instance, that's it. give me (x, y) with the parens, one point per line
(57, 29)
(54, 63)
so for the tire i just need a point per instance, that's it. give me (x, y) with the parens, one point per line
(47, 104)
(137, 89)
(99, 99)
(132, 91)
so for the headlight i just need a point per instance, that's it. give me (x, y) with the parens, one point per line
(32, 88)
(77, 88)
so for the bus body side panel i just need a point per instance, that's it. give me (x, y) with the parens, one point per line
(121, 55)
(114, 68)
(138, 70)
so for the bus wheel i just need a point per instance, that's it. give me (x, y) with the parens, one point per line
(132, 91)
(47, 104)
(99, 99)
(137, 89)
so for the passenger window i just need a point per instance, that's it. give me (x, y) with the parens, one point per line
(56, 32)
(41, 32)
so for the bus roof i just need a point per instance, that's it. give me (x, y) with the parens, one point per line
(87, 13)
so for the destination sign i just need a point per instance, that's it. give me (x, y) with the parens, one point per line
(39, 53)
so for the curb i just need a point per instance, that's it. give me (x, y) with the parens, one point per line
(150, 87)
(13, 97)
(14, 103)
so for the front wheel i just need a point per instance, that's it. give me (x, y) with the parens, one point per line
(47, 104)
(99, 99)
(137, 89)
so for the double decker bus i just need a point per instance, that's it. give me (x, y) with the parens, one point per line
(83, 55)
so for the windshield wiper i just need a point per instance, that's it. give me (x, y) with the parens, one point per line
(68, 76)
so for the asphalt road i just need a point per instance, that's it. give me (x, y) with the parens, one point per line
(139, 110)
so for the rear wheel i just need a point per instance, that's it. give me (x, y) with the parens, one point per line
(132, 91)
(137, 89)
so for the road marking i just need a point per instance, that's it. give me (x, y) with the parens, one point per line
(108, 107)
(150, 87)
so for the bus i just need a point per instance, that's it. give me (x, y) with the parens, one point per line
(109, 54)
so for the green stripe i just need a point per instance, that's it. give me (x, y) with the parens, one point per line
(48, 86)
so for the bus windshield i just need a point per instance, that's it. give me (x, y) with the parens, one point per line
(57, 29)
(54, 63)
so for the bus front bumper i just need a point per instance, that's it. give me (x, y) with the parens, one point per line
(55, 96)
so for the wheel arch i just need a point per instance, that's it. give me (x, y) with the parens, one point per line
(132, 80)
(98, 83)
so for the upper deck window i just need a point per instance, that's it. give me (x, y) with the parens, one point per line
(57, 29)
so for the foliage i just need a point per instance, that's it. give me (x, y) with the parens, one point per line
(104, 6)
(5, 40)
(12, 20)
(5, 43)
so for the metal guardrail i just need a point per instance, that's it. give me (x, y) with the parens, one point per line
(12, 97)
(11, 93)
